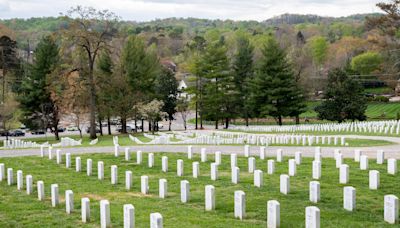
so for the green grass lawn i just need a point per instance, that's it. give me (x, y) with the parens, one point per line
(17, 209)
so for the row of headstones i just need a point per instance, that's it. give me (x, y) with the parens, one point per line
(17, 143)
(156, 220)
(376, 126)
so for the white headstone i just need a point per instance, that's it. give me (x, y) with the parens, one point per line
(42, 151)
(235, 175)
(114, 174)
(139, 157)
(89, 164)
(2, 172)
(315, 192)
(40, 190)
(105, 220)
(271, 167)
(391, 211)
(363, 162)
(54, 195)
(240, 205)
(312, 217)
(190, 152)
(129, 216)
(164, 164)
(246, 151)
(156, 220)
(29, 184)
(373, 179)
(196, 169)
(127, 154)
(68, 160)
(297, 157)
(128, 180)
(78, 165)
(214, 171)
(203, 155)
(273, 214)
(392, 166)
(209, 198)
(85, 209)
(344, 174)
(218, 158)
(185, 191)
(144, 184)
(349, 198)
(339, 160)
(262, 152)
(233, 161)
(316, 170)
(258, 178)
(179, 167)
(279, 155)
(292, 167)
(116, 150)
(251, 164)
(380, 157)
(20, 180)
(10, 176)
(151, 160)
(162, 188)
(357, 155)
(69, 201)
(58, 156)
(100, 170)
(284, 184)
(50, 152)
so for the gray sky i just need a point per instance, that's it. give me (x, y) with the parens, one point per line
(145, 10)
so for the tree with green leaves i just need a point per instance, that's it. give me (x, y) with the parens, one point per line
(243, 74)
(8, 61)
(35, 98)
(219, 92)
(141, 67)
(274, 89)
(366, 63)
(343, 98)
(105, 67)
(167, 90)
(90, 30)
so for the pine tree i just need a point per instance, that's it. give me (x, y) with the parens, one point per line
(343, 98)
(167, 90)
(243, 73)
(218, 89)
(274, 89)
(35, 98)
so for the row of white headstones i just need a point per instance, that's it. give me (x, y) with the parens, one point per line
(312, 213)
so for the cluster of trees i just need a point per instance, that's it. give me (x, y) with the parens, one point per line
(227, 88)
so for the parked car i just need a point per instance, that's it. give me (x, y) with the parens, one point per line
(38, 132)
(17, 133)
(61, 129)
(88, 130)
(4, 133)
(72, 128)
(129, 128)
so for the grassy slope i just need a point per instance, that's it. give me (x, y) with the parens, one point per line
(19, 209)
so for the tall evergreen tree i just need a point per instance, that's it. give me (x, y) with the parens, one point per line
(343, 98)
(243, 73)
(167, 90)
(219, 90)
(274, 89)
(106, 67)
(39, 109)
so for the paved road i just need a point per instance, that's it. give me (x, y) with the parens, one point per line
(392, 151)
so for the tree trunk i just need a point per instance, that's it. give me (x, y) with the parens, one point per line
(184, 124)
(247, 121)
(280, 120)
(92, 104)
(56, 133)
(152, 126)
(169, 127)
(80, 132)
(226, 123)
(201, 122)
(100, 126)
(196, 114)
(109, 125)
(297, 120)
(123, 123)
(142, 125)
(150, 129)
(135, 124)
(216, 124)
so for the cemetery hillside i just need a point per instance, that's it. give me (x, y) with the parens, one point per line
(200, 113)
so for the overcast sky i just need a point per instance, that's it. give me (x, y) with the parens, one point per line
(145, 10)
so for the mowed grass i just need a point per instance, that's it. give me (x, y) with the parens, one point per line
(17, 209)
